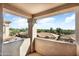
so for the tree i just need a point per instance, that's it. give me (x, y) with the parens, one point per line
(59, 31)
(51, 30)
(39, 30)
(46, 30)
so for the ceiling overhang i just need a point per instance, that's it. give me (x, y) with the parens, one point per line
(14, 10)
(48, 12)
(69, 7)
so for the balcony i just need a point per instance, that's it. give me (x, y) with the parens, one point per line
(33, 45)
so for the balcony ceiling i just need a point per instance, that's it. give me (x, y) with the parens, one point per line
(33, 8)
(38, 10)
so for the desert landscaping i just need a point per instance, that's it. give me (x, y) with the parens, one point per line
(47, 34)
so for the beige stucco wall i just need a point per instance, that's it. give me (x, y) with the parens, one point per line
(77, 29)
(25, 47)
(5, 31)
(54, 48)
(77, 49)
(1, 28)
(16, 48)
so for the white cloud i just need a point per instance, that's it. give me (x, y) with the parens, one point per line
(46, 20)
(19, 23)
(6, 14)
(66, 14)
(70, 18)
(45, 23)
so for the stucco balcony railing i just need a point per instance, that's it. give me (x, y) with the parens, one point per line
(46, 47)
(17, 47)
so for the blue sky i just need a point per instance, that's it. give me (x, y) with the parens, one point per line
(64, 21)
(16, 21)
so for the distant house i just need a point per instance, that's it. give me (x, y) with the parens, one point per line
(22, 34)
(68, 38)
(47, 35)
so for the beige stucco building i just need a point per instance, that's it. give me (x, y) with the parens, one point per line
(6, 30)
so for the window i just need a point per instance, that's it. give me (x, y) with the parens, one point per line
(60, 27)
(15, 26)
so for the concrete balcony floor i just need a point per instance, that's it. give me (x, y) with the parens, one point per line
(35, 54)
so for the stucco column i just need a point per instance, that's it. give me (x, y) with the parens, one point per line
(1, 27)
(32, 31)
(77, 29)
